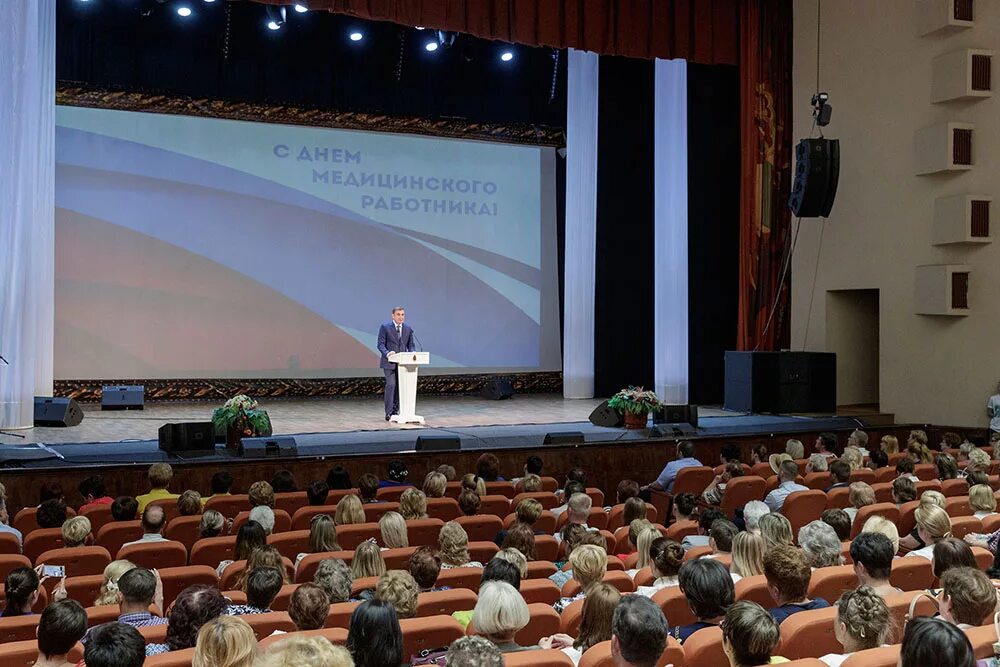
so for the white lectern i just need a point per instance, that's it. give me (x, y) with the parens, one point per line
(407, 364)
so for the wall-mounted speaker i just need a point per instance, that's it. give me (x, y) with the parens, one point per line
(564, 438)
(817, 172)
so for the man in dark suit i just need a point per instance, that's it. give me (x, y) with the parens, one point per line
(393, 336)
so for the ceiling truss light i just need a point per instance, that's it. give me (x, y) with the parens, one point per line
(507, 56)
(431, 46)
(300, 8)
(275, 17)
(184, 11)
(356, 36)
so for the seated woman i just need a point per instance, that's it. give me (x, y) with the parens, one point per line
(979, 461)
(758, 454)
(852, 457)
(947, 467)
(904, 468)
(20, 592)
(861, 495)
(776, 531)
(748, 556)
(349, 511)
(454, 542)
(75, 532)
(521, 537)
(499, 614)
(249, 538)
(878, 459)
(367, 562)
(266, 556)
(469, 502)
(400, 590)
(817, 463)
(212, 524)
(982, 501)
(108, 594)
(839, 520)
(967, 597)
(709, 590)
(717, 489)
(903, 490)
(413, 504)
(424, 567)
(863, 622)
(750, 635)
(635, 531)
(934, 642)
(435, 484)
(590, 564)
(820, 544)
(194, 607)
(913, 541)
(788, 574)
(950, 553)
(393, 529)
(374, 638)
(322, 537)
(933, 525)
(226, 640)
(595, 623)
(665, 559)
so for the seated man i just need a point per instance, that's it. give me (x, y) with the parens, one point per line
(115, 645)
(720, 536)
(263, 584)
(787, 472)
(685, 459)
(788, 573)
(839, 520)
(93, 492)
(221, 485)
(153, 521)
(124, 508)
(578, 511)
(308, 607)
(60, 627)
(159, 475)
(572, 488)
(872, 554)
(840, 475)
(967, 597)
(705, 522)
(752, 512)
(638, 632)
(5, 521)
(137, 589)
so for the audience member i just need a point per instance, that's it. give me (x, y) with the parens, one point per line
(425, 566)
(817, 463)
(638, 632)
(776, 530)
(578, 511)
(469, 502)
(709, 591)
(108, 593)
(308, 607)
(521, 537)
(448, 471)
(820, 544)
(750, 635)
(221, 484)
(715, 491)
(368, 488)
(194, 606)
(374, 638)
(753, 511)
(685, 459)
(795, 448)
(878, 459)
(641, 534)
(787, 473)
(863, 622)
(338, 478)
(473, 651)
(159, 475)
(225, 642)
(5, 526)
(317, 493)
(51, 514)
(400, 590)
(93, 492)
(261, 586)
(124, 508)
(264, 516)
(827, 445)
(189, 503)
(488, 467)
(60, 627)
(627, 488)
(905, 468)
(367, 561)
(919, 452)
(861, 495)
(413, 504)
(705, 521)
(933, 524)
(115, 645)
(748, 556)
(349, 511)
(859, 440)
(872, 555)
(283, 481)
(853, 458)
(571, 489)
(334, 576)
(515, 558)
(322, 537)
(903, 490)
(530, 484)
(261, 494)
(595, 623)
(788, 574)
(51, 490)
(475, 483)
(840, 475)
(839, 520)
(720, 536)
(434, 485)
(947, 467)
(758, 454)
(982, 501)
(730, 452)
(499, 614)
(154, 519)
(589, 565)
(454, 542)
(883, 526)
(392, 527)
(934, 642)
(685, 506)
(267, 556)
(665, 559)
(249, 538)
(75, 531)
(968, 598)
(950, 553)
(889, 444)
(396, 474)
(137, 589)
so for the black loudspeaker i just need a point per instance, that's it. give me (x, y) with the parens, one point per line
(187, 437)
(438, 443)
(253, 448)
(564, 438)
(603, 415)
(123, 397)
(781, 382)
(817, 172)
(676, 414)
(57, 411)
(497, 389)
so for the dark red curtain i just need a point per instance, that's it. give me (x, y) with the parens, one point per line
(700, 31)
(765, 171)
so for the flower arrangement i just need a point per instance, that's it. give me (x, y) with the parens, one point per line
(634, 400)
(240, 416)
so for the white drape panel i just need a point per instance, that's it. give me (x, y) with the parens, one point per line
(581, 225)
(27, 205)
(670, 220)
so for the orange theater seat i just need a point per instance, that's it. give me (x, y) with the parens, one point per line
(483, 527)
(802, 507)
(546, 547)
(84, 589)
(229, 505)
(865, 475)
(445, 509)
(538, 658)
(926, 472)
(819, 481)
(484, 551)
(957, 506)
(540, 590)
(213, 550)
(232, 573)
(333, 635)
(302, 518)
(423, 532)
(340, 613)
(398, 559)
(675, 606)
(391, 494)
(599, 655)
(740, 491)
(290, 501)
(184, 529)
(19, 654)
(547, 500)
(264, 625)
(445, 603)
(616, 517)
(546, 523)
(839, 498)
(25, 522)
(291, 543)
(954, 487)
(704, 647)
(180, 658)
(18, 628)
(78, 561)
(41, 540)
(754, 589)
(888, 510)
(461, 577)
(885, 656)
(113, 535)
(571, 617)
(540, 569)
(494, 504)
(176, 579)
(98, 515)
(907, 521)
(374, 511)
(808, 634)
(429, 633)
(308, 565)
(912, 574)
(681, 529)
(282, 521)
(155, 555)
(963, 525)
(10, 562)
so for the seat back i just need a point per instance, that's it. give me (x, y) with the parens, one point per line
(675, 606)
(496, 505)
(538, 658)
(398, 559)
(540, 569)
(19, 654)
(697, 552)
(336, 635)
(571, 617)
(461, 577)
(888, 510)
(25, 520)
(912, 574)
(302, 518)
(264, 625)
(374, 511)
(484, 551)
(282, 521)
(829, 582)
(907, 520)
(899, 606)
(616, 517)
(228, 506)
(423, 532)
(539, 590)
(212, 550)
(958, 505)
(547, 499)
(704, 647)
(155, 555)
(963, 525)
(546, 547)
(19, 628)
(176, 579)
(41, 540)
(391, 494)
(599, 655)
(886, 474)
(84, 589)
(445, 509)
(429, 633)
(818, 480)
(740, 491)
(762, 469)
(693, 480)
(180, 658)
(801, 507)
(308, 565)
(617, 578)
(291, 543)
(866, 475)
(884, 656)
(546, 523)
(954, 487)
(809, 633)
(184, 529)
(290, 501)
(483, 527)
(991, 523)
(754, 589)
(883, 492)
(927, 485)
(340, 613)
(98, 516)
(681, 529)
(926, 472)
(445, 602)
(113, 535)
(839, 497)
(78, 561)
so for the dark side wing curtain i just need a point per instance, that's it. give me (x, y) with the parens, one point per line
(700, 31)
(765, 171)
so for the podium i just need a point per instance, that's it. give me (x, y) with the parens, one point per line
(407, 364)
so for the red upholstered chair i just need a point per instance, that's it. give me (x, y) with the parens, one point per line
(571, 617)
(113, 535)
(445, 509)
(616, 517)
(885, 475)
(212, 550)
(340, 613)
(538, 658)
(546, 523)
(500, 488)
(599, 655)
(883, 492)
(423, 532)
(899, 605)
(991, 523)
(180, 658)
(9, 544)
(963, 525)
(984, 558)
(704, 647)
(302, 518)
(912, 574)
(398, 559)
(697, 552)
(907, 521)
(829, 582)
(927, 485)
(754, 589)
(19, 654)
(809, 633)
(865, 475)
(445, 602)
(78, 561)
(25, 522)
(453, 490)
(282, 521)
(954, 487)
(484, 551)
(233, 571)
(155, 555)
(762, 469)
(539, 590)
(801, 507)
(740, 491)
(41, 540)
(497, 505)
(885, 656)
(616, 578)
(84, 589)
(546, 547)
(290, 501)
(351, 535)
(540, 569)
(681, 529)
(184, 529)
(675, 606)
(230, 505)
(926, 472)
(374, 511)
(839, 498)
(98, 515)
(308, 565)
(484, 527)
(264, 625)
(290, 544)
(461, 577)
(391, 494)
(957, 506)
(888, 510)
(19, 628)
(431, 632)
(176, 579)
(334, 635)
(644, 577)
(819, 481)
(548, 500)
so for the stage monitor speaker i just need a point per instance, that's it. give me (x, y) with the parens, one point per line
(817, 172)
(676, 414)
(781, 382)
(255, 448)
(438, 443)
(564, 438)
(187, 437)
(604, 415)
(57, 411)
(123, 397)
(497, 389)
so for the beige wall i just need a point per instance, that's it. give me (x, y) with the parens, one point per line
(878, 73)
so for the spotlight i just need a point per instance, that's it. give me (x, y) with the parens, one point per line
(356, 36)
(419, 27)
(507, 56)
(274, 17)
(301, 9)
(209, 1)
(184, 11)
(431, 46)
(273, 25)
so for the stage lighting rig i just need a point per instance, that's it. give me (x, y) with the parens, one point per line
(275, 17)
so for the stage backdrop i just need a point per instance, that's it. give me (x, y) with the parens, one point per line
(205, 248)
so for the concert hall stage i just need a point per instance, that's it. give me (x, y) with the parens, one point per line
(335, 427)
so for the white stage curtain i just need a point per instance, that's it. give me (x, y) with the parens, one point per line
(27, 206)
(581, 225)
(670, 221)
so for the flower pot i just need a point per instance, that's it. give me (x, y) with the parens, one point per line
(636, 419)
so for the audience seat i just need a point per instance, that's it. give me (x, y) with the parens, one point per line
(963, 525)
(180, 658)
(544, 623)
(282, 521)
(496, 505)
(984, 557)
(644, 577)
(333, 635)
(155, 555)
(78, 561)
(865, 475)
(596, 496)
(302, 518)
(340, 613)
(540, 590)
(888, 510)
(280, 602)
(991, 523)
(885, 475)
(461, 577)
(176, 579)
(762, 470)
(108, 613)
(829, 582)
(912, 574)
(681, 529)
(19, 628)
(336, 495)
(19, 653)
(674, 605)
(113, 535)
(957, 506)
(616, 578)
(927, 485)
(839, 498)
(616, 516)
(290, 501)
(445, 603)
(84, 589)
(445, 509)
(500, 488)
(540, 569)
(290, 544)
(391, 494)
(98, 516)
(704, 647)
(884, 656)
(754, 589)
(484, 551)
(883, 492)
(802, 507)
(308, 565)
(547, 500)
(430, 633)
(363, 584)
(184, 529)
(423, 532)
(229, 505)
(233, 571)
(907, 521)
(25, 522)
(212, 550)
(538, 658)
(845, 552)
(484, 527)
(398, 559)
(691, 480)
(453, 490)
(549, 484)
(896, 457)
(571, 617)
(169, 506)
(41, 540)
(264, 625)
(599, 655)
(926, 472)
(740, 491)
(9, 544)
(818, 481)
(954, 487)
(809, 634)
(10, 562)
(546, 523)
(697, 552)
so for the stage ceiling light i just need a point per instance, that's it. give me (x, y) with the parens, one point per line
(431, 46)
(184, 11)
(273, 25)
(275, 17)
(507, 56)
(356, 36)
(419, 27)
(300, 8)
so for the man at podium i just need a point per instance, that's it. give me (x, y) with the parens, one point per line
(393, 336)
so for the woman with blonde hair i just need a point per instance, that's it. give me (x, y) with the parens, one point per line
(776, 531)
(474, 483)
(978, 461)
(595, 623)
(879, 524)
(912, 542)
(189, 503)
(499, 614)
(590, 564)
(304, 651)
(435, 484)
(322, 537)
(226, 641)
(889, 444)
(531, 483)
(665, 559)
(212, 524)
(861, 495)
(393, 529)
(264, 557)
(413, 504)
(852, 457)
(982, 501)
(109, 589)
(367, 561)
(919, 452)
(933, 524)
(515, 558)
(454, 542)
(75, 531)
(863, 621)
(349, 511)
(748, 555)
(644, 539)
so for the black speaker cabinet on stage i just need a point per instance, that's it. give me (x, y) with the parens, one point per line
(438, 443)
(187, 437)
(282, 445)
(497, 389)
(57, 411)
(781, 382)
(123, 397)
(817, 172)
(604, 415)
(564, 438)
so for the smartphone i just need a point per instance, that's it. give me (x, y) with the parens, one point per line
(53, 571)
